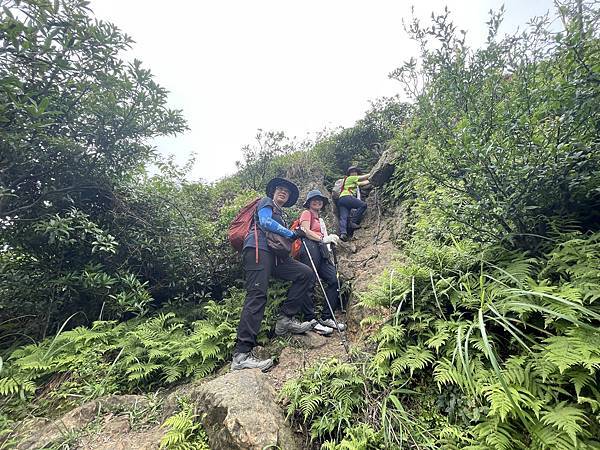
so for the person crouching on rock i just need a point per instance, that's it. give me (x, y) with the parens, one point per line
(316, 242)
(350, 199)
(266, 253)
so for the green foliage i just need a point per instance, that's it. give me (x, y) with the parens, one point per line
(6, 429)
(503, 137)
(511, 332)
(328, 155)
(260, 162)
(326, 397)
(174, 234)
(363, 143)
(358, 437)
(75, 117)
(184, 430)
(141, 354)
(77, 124)
(501, 353)
(69, 271)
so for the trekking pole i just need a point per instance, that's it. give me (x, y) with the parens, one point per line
(337, 275)
(312, 263)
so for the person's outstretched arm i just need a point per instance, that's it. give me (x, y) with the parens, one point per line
(266, 222)
(363, 180)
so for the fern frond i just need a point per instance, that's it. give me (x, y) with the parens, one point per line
(566, 418)
(413, 358)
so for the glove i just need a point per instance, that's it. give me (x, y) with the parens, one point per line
(299, 233)
(331, 239)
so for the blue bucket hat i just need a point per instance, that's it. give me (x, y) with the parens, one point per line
(294, 193)
(314, 194)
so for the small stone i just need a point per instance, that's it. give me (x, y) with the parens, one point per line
(309, 340)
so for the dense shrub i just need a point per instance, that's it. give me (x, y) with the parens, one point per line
(503, 138)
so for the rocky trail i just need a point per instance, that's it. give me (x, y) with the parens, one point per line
(238, 410)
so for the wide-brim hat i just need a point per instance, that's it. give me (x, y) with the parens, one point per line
(314, 194)
(294, 193)
(354, 169)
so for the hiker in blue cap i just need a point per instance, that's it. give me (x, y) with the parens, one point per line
(266, 253)
(316, 242)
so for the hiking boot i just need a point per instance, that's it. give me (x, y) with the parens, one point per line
(344, 237)
(320, 329)
(331, 324)
(250, 361)
(287, 325)
(354, 226)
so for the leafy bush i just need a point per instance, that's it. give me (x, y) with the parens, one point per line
(363, 143)
(358, 437)
(77, 124)
(504, 137)
(66, 266)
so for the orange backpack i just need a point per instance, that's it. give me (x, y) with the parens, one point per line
(297, 244)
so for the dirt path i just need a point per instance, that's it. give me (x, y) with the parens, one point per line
(361, 261)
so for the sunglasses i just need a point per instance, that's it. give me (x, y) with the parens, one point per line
(284, 189)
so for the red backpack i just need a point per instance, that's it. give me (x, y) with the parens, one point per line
(240, 226)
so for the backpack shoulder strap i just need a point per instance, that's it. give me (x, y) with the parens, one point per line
(256, 229)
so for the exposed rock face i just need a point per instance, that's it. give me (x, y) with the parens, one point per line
(241, 412)
(44, 433)
(384, 169)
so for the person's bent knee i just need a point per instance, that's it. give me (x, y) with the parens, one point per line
(306, 274)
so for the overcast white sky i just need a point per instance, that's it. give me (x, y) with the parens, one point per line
(234, 66)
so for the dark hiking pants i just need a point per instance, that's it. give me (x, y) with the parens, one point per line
(347, 203)
(327, 273)
(257, 282)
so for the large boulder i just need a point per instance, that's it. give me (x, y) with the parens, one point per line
(241, 412)
(383, 170)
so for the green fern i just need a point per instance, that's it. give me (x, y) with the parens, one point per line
(576, 348)
(567, 419)
(326, 397)
(141, 354)
(413, 358)
(184, 430)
